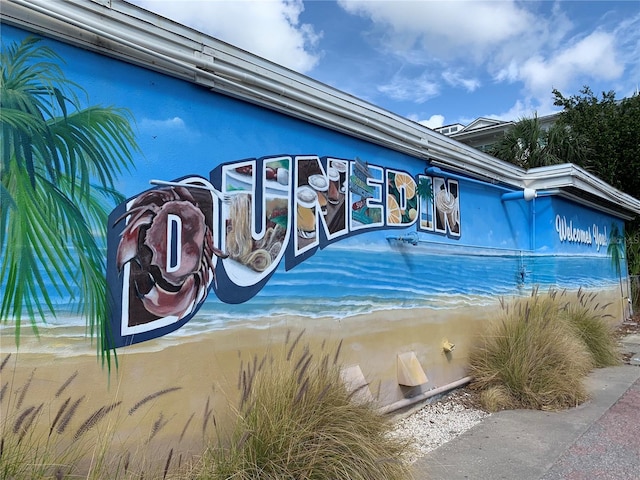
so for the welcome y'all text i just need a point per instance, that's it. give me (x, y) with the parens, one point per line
(567, 232)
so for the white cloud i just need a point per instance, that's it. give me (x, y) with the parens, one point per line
(593, 57)
(417, 90)
(445, 29)
(455, 79)
(509, 73)
(172, 127)
(532, 47)
(269, 28)
(628, 34)
(167, 123)
(523, 109)
(434, 121)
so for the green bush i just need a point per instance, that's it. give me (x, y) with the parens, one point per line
(588, 323)
(297, 420)
(530, 359)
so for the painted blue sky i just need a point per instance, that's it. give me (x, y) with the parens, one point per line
(436, 62)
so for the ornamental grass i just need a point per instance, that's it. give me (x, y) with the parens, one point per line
(589, 322)
(531, 358)
(298, 420)
(53, 438)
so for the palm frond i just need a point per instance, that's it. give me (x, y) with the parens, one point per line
(59, 164)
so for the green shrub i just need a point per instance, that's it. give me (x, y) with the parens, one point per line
(536, 359)
(593, 329)
(297, 420)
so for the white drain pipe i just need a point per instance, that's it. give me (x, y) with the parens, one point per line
(406, 402)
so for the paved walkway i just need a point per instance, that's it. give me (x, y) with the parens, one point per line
(598, 440)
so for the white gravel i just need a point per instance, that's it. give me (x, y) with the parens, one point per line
(436, 423)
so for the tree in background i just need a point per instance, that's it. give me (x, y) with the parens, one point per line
(57, 171)
(610, 129)
(528, 145)
(602, 135)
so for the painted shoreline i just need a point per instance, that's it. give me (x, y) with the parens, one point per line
(66, 335)
(177, 386)
(203, 369)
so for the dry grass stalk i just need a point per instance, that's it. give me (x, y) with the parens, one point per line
(69, 415)
(94, 418)
(590, 325)
(24, 390)
(61, 410)
(127, 459)
(293, 345)
(158, 425)
(337, 354)
(240, 372)
(166, 466)
(64, 386)
(4, 361)
(3, 391)
(21, 418)
(29, 421)
(207, 415)
(152, 396)
(186, 425)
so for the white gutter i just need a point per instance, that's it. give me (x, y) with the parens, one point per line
(119, 29)
(210, 65)
(570, 175)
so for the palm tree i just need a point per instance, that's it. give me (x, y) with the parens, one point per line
(58, 166)
(615, 250)
(528, 145)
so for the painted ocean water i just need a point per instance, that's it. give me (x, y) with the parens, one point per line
(340, 282)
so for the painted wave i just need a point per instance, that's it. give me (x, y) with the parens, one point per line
(340, 282)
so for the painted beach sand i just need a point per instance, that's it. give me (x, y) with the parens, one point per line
(194, 380)
(172, 393)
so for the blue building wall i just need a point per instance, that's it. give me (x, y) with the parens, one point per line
(405, 257)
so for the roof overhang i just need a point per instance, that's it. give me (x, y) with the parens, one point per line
(581, 186)
(122, 30)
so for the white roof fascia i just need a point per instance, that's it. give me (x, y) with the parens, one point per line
(464, 159)
(122, 30)
(570, 175)
(138, 36)
(483, 122)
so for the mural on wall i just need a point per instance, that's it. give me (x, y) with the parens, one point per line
(238, 238)
(178, 224)
(229, 233)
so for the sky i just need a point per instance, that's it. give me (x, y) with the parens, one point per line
(436, 62)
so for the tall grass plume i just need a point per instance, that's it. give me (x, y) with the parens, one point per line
(588, 321)
(529, 358)
(296, 420)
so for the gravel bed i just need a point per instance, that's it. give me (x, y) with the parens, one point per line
(434, 424)
(428, 426)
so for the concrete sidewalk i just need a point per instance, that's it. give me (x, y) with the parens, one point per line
(599, 439)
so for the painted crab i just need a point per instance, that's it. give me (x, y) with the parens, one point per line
(169, 248)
